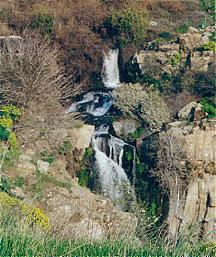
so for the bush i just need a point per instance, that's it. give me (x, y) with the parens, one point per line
(66, 147)
(166, 35)
(204, 84)
(129, 24)
(83, 177)
(175, 59)
(47, 156)
(209, 107)
(33, 215)
(182, 28)
(210, 46)
(8, 115)
(146, 105)
(44, 23)
(31, 73)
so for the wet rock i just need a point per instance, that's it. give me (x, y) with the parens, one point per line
(124, 127)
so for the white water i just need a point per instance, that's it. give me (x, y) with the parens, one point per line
(96, 104)
(110, 71)
(109, 150)
(113, 180)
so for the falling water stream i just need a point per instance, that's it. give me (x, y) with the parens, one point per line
(109, 150)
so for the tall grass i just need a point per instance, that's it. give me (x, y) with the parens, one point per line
(20, 239)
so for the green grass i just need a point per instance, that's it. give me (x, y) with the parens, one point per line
(19, 239)
(44, 179)
(32, 245)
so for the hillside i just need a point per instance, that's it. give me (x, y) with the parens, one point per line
(107, 128)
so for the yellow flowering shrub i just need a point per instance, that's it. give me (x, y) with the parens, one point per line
(32, 214)
(6, 122)
(12, 140)
(8, 115)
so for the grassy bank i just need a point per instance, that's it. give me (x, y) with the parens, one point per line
(18, 239)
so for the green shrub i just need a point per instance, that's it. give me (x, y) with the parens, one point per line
(182, 28)
(10, 111)
(210, 46)
(44, 23)
(166, 35)
(175, 59)
(204, 84)
(18, 181)
(65, 148)
(209, 107)
(88, 152)
(47, 156)
(5, 184)
(137, 102)
(83, 177)
(8, 115)
(129, 24)
(137, 133)
(213, 36)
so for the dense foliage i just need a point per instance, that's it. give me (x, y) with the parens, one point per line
(143, 104)
(129, 25)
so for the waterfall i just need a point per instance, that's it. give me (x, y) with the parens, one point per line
(94, 103)
(112, 179)
(110, 71)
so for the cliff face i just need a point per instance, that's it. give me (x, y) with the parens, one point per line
(192, 207)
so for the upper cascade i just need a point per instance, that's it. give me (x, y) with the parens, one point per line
(110, 70)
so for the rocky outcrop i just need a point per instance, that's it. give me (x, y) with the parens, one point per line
(168, 57)
(192, 200)
(83, 136)
(125, 126)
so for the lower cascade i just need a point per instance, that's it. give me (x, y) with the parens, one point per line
(112, 178)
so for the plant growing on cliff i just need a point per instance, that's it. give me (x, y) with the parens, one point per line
(44, 23)
(209, 7)
(32, 214)
(129, 24)
(8, 115)
(135, 101)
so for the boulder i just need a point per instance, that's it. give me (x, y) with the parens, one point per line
(185, 112)
(83, 136)
(125, 126)
(42, 166)
(201, 146)
(190, 41)
(200, 62)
